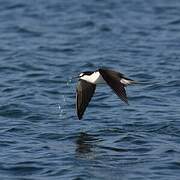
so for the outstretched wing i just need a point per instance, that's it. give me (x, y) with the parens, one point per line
(113, 79)
(84, 93)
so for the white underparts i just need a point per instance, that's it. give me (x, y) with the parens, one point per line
(94, 78)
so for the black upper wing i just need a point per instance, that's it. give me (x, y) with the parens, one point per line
(84, 93)
(113, 78)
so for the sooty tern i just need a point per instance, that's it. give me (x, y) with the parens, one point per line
(87, 84)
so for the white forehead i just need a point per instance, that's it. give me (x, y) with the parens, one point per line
(81, 74)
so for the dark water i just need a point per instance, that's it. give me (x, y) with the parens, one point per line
(43, 44)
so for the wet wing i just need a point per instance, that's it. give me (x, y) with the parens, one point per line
(113, 78)
(84, 93)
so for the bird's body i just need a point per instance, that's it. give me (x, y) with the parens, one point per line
(87, 85)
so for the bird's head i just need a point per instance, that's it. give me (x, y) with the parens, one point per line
(88, 73)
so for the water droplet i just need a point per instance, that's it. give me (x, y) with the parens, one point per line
(69, 82)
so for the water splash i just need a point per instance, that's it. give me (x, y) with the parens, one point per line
(62, 107)
(61, 110)
(69, 81)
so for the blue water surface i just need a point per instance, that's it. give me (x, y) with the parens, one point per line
(43, 44)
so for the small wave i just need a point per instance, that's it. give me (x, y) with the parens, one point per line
(12, 111)
(28, 31)
(113, 148)
(23, 169)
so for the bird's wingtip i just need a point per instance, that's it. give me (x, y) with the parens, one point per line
(79, 117)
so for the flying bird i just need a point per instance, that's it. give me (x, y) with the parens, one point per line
(87, 84)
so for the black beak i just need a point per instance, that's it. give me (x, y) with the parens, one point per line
(75, 77)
